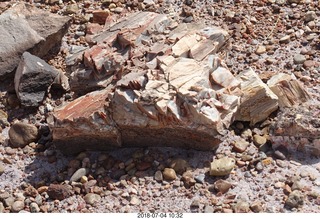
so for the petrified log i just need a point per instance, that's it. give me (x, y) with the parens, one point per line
(288, 89)
(258, 101)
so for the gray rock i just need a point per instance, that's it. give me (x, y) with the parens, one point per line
(92, 198)
(2, 168)
(310, 16)
(8, 202)
(242, 207)
(284, 39)
(27, 28)
(295, 199)
(17, 206)
(34, 208)
(208, 209)
(21, 134)
(299, 59)
(222, 166)
(158, 176)
(32, 79)
(200, 178)
(78, 174)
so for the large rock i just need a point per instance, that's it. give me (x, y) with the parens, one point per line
(32, 79)
(27, 28)
(258, 101)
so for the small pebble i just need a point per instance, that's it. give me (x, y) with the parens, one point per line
(278, 154)
(295, 199)
(260, 50)
(158, 176)
(222, 166)
(242, 207)
(299, 59)
(259, 140)
(195, 203)
(134, 200)
(169, 174)
(222, 186)
(285, 39)
(78, 174)
(208, 209)
(200, 178)
(17, 206)
(34, 208)
(256, 207)
(92, 198)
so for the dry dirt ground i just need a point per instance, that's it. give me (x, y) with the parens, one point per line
(262, 180)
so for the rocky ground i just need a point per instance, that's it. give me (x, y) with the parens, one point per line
(246, 173)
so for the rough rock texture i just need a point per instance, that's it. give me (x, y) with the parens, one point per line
(258, 101)
(21, 134)
(32, 79)
(179, 102)
(288, 89)
(26, 28)
(298, 128)
(59, 192)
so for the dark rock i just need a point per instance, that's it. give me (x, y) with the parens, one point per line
(21, 134)
(27, 28)
(32, 79)
(222, 186)
(179, 165)
(59, 192)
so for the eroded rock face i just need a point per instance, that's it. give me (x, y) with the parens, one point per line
(27, 28)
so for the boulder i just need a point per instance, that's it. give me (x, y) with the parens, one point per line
(27, 28)
(32, 79)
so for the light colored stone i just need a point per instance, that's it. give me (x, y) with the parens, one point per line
(17, 206)
(1, 207)
(260, 50)
(242, 207)
(34, 208)
(169, 174)
(2, 168)
(79, 174)
(222, 166)
(299, 59)
(284, 39)
(134, 200)
(240, 145)
(288, 89)
(258, 101)
(259, 140)
(222, 186)
(183, 46)
(92, 198)
(295, 199)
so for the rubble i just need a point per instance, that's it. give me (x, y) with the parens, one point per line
(26, 28)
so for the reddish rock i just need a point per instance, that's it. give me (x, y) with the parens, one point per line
(100, 16)
(59, 192)
(143, 166)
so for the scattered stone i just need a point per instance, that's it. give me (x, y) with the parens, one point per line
(208, 209)
(3, 119)
(158, 176)
(258, 101)
(285, 39)
(188, 179)
(195, 203)
(143, 166)
(169, 174)
(310, 16)
(222, 166)
(134, 200)
(299, 59)
(59, 192)
(242, 207)
(200, 178)
(259, 140)
(278, 154)
(2, 168)
(179, 165)
(260, 50)
(21, 134)
(100, 16)
(78, 174)
(1, 207)
(34, 207)
(17, 206)
(256, 207)
(240, 145)
(222, 186)
(8, 202)
(309, 63)
(32, 79)
(92, 198)
(295, 199)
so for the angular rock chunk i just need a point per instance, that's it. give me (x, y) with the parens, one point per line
(32, 79)
(288, 89)
(258, 101)
(298, 128)
(26, 28)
